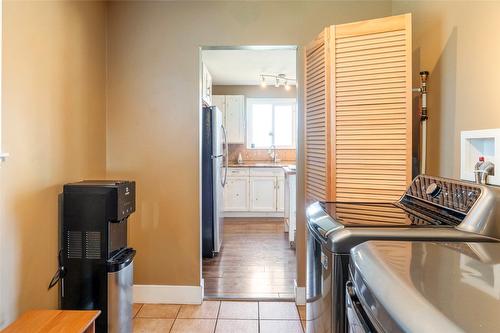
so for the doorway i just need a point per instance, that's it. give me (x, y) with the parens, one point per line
(248, 153)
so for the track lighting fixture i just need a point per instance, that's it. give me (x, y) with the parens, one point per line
(263, 83)
(280, 80)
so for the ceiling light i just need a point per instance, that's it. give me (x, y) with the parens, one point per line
(263, 83)
(280, 80)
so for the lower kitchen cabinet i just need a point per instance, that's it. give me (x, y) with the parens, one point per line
(255, 192)
(263, 194)
(280, 194)
(236, 194)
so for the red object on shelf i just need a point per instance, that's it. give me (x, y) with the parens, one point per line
(481, 158)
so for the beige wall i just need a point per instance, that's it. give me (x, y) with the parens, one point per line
(269, 91)
(53, 126)
(458, 43)
(153, 110)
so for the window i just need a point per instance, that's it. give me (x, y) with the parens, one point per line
(271, 121)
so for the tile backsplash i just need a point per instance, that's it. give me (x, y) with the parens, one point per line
(258, 154)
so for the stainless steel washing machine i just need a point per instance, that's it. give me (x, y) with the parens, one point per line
(432, 209)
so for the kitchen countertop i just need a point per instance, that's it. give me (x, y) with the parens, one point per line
(289, 170)
(261, 164)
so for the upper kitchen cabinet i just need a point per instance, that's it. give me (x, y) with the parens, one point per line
(358, 111)
(220, 102)
(233, 108)
(235, 118)
(206, 87)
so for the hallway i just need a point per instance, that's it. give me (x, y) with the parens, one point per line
(256, 262)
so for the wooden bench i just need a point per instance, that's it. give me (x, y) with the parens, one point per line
(55, 321)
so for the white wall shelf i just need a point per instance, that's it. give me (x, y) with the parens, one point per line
(474, 144)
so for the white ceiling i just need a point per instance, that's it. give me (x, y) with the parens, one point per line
(244, 67)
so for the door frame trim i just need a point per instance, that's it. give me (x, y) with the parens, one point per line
(298, 114)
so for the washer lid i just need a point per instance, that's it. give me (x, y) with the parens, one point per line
(429, 287)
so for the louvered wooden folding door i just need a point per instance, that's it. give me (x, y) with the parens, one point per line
(318, 116)
(358, 111)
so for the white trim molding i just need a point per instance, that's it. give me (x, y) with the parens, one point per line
(168, 294)
(253, 214)
(300, 294)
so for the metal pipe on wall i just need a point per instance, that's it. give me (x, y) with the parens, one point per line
(422, 90)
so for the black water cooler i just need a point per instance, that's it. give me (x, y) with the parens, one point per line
(98, 264)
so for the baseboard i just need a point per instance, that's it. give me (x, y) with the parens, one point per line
(254, 214)
(168, 294)
(300, 295)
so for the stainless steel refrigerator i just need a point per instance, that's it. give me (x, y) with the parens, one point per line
(214, 175)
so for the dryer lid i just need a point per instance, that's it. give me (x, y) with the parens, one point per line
(429, 287)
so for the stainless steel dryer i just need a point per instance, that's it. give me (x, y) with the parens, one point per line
(432, 209)
(454, 286)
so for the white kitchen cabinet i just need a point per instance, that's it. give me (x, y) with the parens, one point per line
(236, 194)
(206, 86)
(233, 110)
(263, 194)
(235, 118)
(220, 102)
(280, 194)
(290, 205)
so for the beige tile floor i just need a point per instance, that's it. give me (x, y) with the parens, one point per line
(220, 317)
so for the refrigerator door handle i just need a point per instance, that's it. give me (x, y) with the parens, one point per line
(226, 156)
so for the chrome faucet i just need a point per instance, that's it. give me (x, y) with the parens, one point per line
(274, 155)
(483, 169)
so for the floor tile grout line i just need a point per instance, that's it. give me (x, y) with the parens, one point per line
(217, 319)
(258, 317)
(172, 326)
(176, 315)
(137, 313)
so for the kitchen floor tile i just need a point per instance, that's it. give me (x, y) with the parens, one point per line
(207, 310)
(278, 310)
(168, 311)
(147, 325)
(193, 326)
(280, 326)
(240, 326)
(135, 308)
(239, 310)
